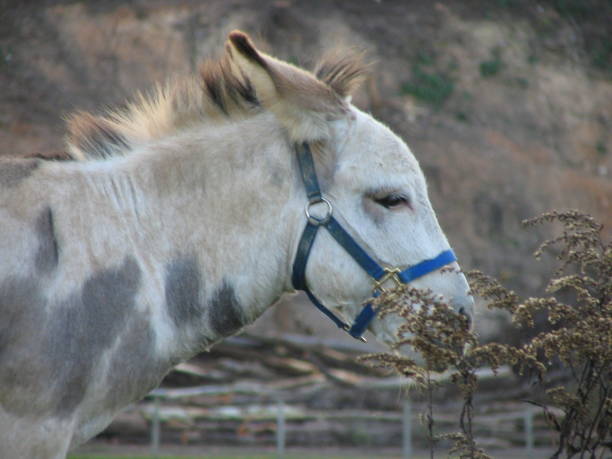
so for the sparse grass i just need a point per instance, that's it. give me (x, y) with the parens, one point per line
(98, 456)
(224, 456)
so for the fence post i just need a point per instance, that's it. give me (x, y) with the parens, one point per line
(407, 429)
(528, 421)
(280, 430)
(155, 429)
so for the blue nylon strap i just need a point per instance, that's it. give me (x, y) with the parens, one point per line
(309, 174)
(335, 319)
(298, 277)
(363, 319)
(359, 255)
(427, 266)
(368, 313)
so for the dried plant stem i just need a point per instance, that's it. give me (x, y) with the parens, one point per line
(430, 416)
(467, 413)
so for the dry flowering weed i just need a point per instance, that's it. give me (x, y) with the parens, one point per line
(577, 336)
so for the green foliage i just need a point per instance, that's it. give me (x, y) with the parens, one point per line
(492, 66)
(601, 148)
(591, 18)
(576, 9)
(462, 116)
(428, 84)
(216, 456)
(601, 55)
(521, 82)
(506, 3)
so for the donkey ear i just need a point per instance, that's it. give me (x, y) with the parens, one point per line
(299, 100)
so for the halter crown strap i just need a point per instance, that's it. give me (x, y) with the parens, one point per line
(367, 263)
(308, 171)
(313, 192)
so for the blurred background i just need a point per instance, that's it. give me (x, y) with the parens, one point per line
(507, 104)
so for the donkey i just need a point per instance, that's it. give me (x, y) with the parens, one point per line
(183, 220)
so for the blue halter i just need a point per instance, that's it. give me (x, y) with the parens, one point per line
(379, 274)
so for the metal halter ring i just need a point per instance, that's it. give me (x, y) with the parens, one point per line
(318, 221)
(390, 274)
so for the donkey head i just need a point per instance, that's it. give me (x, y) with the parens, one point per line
(367, 174)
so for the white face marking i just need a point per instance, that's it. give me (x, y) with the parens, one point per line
(380, 196)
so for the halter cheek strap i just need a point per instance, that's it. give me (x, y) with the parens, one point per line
(379, 274)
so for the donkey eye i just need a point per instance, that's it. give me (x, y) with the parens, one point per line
(393, 201)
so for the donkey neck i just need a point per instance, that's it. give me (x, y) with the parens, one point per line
(215, 215)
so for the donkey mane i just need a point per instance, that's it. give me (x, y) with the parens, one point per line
(221, 90)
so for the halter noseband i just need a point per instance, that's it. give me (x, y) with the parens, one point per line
(379, 274)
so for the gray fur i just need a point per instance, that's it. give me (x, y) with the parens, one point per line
(86, 325)
(183, 286)
(47, 256)
(134, 369)
(20, 325)
(225, 313)
(13, 171)
(61, 343)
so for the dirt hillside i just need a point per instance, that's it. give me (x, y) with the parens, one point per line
(506, 104)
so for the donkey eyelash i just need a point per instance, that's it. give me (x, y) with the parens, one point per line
(392, 200)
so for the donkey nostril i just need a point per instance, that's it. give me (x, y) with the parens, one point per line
(464, 305)
(464, 313)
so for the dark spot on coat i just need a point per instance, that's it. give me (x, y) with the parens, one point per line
(13, 171)
(87, 324)
(225, 312)
(16, 297)
(50, 351)
(183, 286)
(24, 371)
(277, 176)
(47, 256)
(134, 368)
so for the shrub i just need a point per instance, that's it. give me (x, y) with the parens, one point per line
(433, 88)
(577, 337)
(492, 66)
